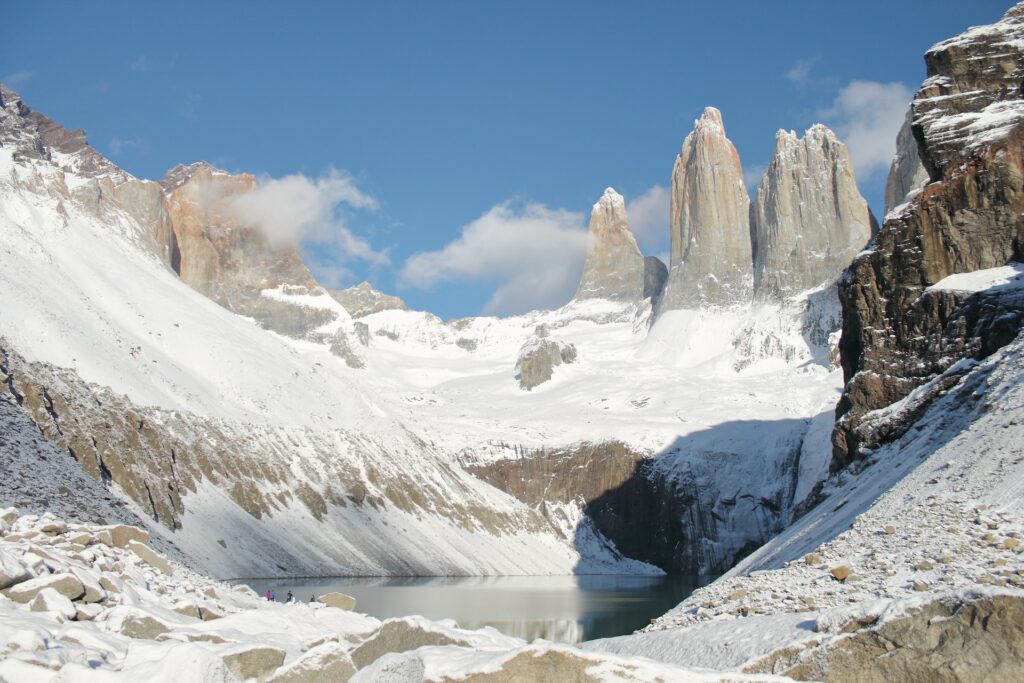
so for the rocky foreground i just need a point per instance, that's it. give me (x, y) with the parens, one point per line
(90, 602)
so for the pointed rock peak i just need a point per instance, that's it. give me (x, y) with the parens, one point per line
(611, 200)
(614, 268)
(710, 117)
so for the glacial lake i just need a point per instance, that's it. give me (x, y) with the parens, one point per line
(567, 609)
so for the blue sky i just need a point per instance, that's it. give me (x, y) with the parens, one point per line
(450, 152)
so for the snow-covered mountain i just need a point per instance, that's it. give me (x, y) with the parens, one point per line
(199, 371)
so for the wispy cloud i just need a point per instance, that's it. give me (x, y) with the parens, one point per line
(118, 145)
(534, 255)
(313, 213)
(189, 107)
(800, 73)
(752, 174)
(18, 77)
(649, 219)
(867, 116)
(141, 64)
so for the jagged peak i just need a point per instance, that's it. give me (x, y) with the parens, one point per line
(610, 200)
(182, 173)
(710, 117)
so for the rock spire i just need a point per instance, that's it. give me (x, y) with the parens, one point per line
(614, 268)
(710, 223)
(808, 219)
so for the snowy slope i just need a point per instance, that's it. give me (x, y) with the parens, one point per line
(84, 294)
(938, 512)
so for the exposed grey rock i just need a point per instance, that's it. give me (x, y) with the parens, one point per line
(946, 640)
(538, 359)
(808, 220)
(363, 300)
(341, 348)
(710, 222)
(906, 173)
(655, 275)
(466, 343)
(614, 268)
(362, 332)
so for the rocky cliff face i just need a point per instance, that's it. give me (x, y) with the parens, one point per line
(968, 121)
(808, 220)
(710, 222)
(363, 300)
(906, 173)
(614, 268)
(230, 262)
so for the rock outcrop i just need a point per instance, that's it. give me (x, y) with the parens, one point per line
(710, 222)
(808, 219)
(233, 263)
(906, 173)
(363, 300)
(538, 359)
(614, 268)
(655, 275)
(968, 121)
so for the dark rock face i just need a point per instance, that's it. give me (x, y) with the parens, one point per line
(969, 125)
(36, 136)
(676, 520)
(655, 274)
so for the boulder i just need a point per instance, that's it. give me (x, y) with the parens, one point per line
(538, 359)
(151, 557)
(326, 663)
(67, 585)
(120, 535)
(49, 600)
(339, 600)
(94, 592)
(12, 570)
(248, 661)
(951, 639)
(87, 612)
(399, 635)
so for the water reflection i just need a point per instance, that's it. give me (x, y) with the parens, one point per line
(565, 609)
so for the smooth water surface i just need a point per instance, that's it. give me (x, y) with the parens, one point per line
(566, 609)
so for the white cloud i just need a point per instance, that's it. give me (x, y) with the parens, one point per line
(18, 77)
(297, 209)
(649, 218)
(800, 72)
(532, 253)
(867, 116)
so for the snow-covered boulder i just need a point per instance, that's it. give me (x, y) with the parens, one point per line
(325, 662)
(67, 585)
(12, 570)
(538, 359)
